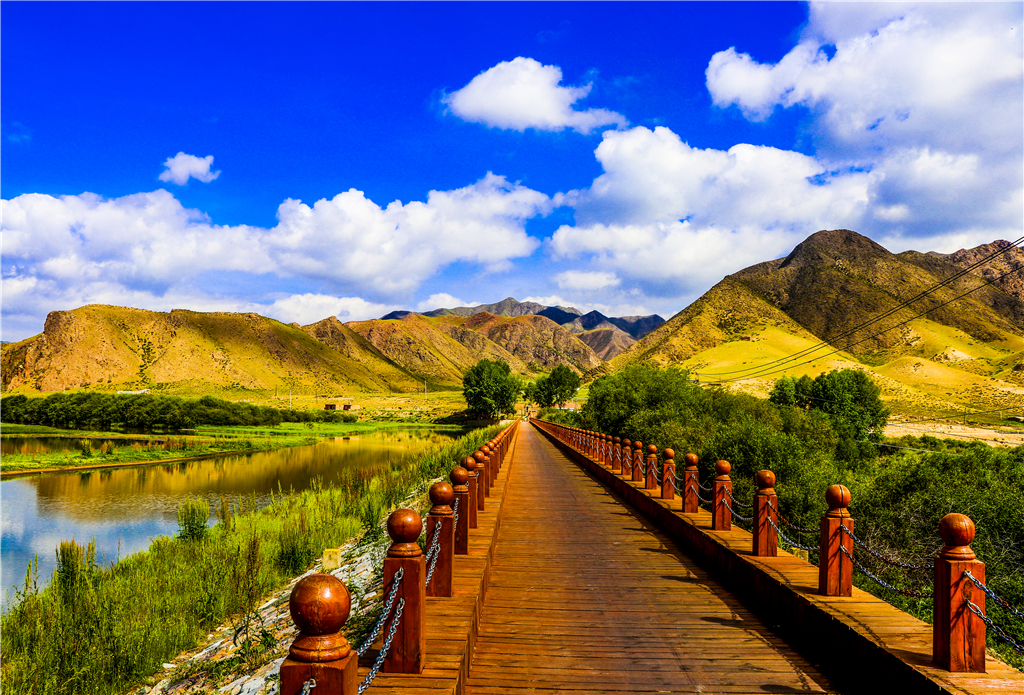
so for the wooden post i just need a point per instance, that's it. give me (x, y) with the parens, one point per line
(493, 457)
(721, 517)
(638, 462)
(766, 542)
(409, 649)
(652, 461)
(835, 569)
(486, 451)
(483, 489)
(690, 480)
(621, 464)
(958, 634)
(441, 496)
(459, 476)
(469, 463)
(668, 474)
(320, 605)
(616, 459)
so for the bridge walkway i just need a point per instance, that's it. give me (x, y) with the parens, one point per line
(586, 596)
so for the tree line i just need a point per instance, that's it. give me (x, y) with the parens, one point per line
(491, 389)
(102, 411)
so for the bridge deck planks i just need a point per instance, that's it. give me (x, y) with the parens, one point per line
(585, 596)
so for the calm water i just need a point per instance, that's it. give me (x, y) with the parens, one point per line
(124, 508)
(42, 445)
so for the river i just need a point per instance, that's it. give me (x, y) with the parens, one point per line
(124, 508)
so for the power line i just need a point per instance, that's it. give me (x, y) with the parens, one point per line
(885, 314)
(874, 335)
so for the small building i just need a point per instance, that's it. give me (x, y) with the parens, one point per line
(346, 406)
(332, 406)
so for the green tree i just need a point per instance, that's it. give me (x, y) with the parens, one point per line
(562, 384)
(852, 400)
(784, 391)
(490, 388)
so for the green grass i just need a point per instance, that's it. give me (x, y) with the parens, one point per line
(105, 629)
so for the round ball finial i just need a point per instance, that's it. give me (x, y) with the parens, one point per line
(765, 481)
(837, 497)
(652, 450)
(320, 605)
(618, 440)
(668, 454)
(404, 526)
(441, 494)
(486, 450)
(479, 456)
(626, 443)
(957, 531)
(691, 460)
(722, 468)
(638, 445)
(458, 476)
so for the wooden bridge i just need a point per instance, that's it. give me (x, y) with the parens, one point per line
(580, 579)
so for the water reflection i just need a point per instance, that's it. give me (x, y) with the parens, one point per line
(125, 507)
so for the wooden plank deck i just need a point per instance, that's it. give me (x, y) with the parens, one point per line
(586, 596)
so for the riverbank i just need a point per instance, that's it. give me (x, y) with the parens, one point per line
(111, 628)
(207, 442)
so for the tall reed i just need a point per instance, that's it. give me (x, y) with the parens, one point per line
(105, 629)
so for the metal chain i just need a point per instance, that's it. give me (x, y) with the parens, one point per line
(434, 551)
(879, 580)
(800, 529)
(741, 518)
(876, 554)
(384, 651)
(736, 501)
(710, 503)
(790, 541)
(995, 628)
(992, 595)
(455, 513)
(657, 476)
(395, 581)
(308, 685)
(696, 482)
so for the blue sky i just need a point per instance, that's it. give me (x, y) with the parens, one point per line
(307, 160)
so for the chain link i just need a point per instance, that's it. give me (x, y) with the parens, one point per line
(993, 595)
(995, 628)
(395, 581)
(735, 515)
(696, 482)
(879, 580)
(455, 513)
(790, 541)
(876, 554)
(308, 685)
(384, 651)
(799, 529)
(736, 501)
(434, 551)
(696, 494)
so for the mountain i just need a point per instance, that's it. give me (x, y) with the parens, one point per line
(828, 289)
(113, 348)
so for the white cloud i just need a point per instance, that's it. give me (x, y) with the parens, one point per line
(523, 93)
(181, 167)
(305, 309)
(442, 300)
(581, 280)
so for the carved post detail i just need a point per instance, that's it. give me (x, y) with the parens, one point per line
(835, 568)
(459, 477)
(638, 462)
(469, 463)
(766, 542)
(625, 458)
(409, 648)
(668, 474)
(958, 635)
(320, 605)
(441, 496)
(690, 480)
(721, 517)
(652, 461)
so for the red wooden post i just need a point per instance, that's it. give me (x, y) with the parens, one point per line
(690, 502)
(441, 496)
(766, 541)
(652, 461)
(483, 488)
(835, 568)
(616, 460)
(486, 451)
(622, 458)
(459, 476)
(469, 463)
(668, 475)
(409, 649)
(320, 605)
(721, 517)
(494, 459)
(638, 462)
(958, 634)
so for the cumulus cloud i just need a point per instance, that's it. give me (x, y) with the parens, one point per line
(442, 300)
(928, 96)
(309, 308)
(181, 167)
(523, 93)
(61, 252)
(582, 280)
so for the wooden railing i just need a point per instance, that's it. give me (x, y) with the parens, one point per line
(321, 657)
(958, 632)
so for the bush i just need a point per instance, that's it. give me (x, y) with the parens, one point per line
(193, 514)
